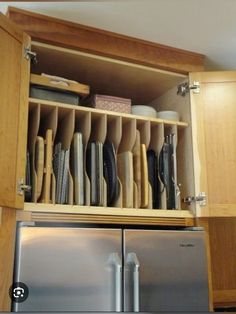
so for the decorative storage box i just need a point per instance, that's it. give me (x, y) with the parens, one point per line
(111, 103)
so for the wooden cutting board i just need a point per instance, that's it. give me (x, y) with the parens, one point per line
(144, 177)
(125, 173)
(39, 164)
(47, 168)
(137, 167)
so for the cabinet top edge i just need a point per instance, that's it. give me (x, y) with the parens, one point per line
(68, 34)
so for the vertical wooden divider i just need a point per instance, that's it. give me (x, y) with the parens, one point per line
(47, 130)
(33, 128)
(114, 130)
(137, 170)
(83, 125)
(114, 135)
(98, 133)
(98, 127)
(125, 161)
(65, 131)
(146, 191)
(174, 130)
(156, 143)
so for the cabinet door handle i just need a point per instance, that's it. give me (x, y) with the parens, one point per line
(115, 261)
(132, 261)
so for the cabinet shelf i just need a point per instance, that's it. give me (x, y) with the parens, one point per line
(92, 214)
(63, 119)
(180, 124)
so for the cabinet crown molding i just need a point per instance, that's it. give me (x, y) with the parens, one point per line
(89, 39)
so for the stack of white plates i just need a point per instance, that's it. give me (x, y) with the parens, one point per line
(142, 110)
(168, 115)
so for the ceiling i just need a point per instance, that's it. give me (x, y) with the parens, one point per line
(204, 26)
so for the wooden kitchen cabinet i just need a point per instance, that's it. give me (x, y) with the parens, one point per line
(214, 132)
(120, 78)
(223, 251)
(206, 154)
(221, 232)
(146, 72)
(13, 111)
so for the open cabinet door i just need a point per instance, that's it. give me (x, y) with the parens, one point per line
(213, 112)
(14, 88)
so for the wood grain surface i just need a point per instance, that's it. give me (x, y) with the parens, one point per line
(14, 81)
(214, 133)
(222, 244)
(89, 39)
(7, 247)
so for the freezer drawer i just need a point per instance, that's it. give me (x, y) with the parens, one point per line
(165, 271)
(69, 269)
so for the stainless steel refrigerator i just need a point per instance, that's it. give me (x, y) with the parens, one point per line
(74, 268)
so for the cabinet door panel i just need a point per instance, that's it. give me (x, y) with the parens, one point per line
(14, 81)
(214, 137)
(223, 256)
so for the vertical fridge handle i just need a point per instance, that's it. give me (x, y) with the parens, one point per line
(115, 261)
(133, 261)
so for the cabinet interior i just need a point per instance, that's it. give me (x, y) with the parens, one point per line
(104, 75)
(142, 84)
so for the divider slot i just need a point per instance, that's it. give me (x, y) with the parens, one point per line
(48, 120)
(94, 160)
(125, 162)
(173, 191)
(144, 130)
(113, 136)
(171, 129)
(61, 159)
(114, 130)
(82, 184)
(33, 128)
(66, 126)
(47, 131)
(157, 137)
(137, 170)
(98, 127)
(156, 144)
(128, 135)
(125, 173)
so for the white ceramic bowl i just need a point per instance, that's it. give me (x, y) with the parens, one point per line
(142, 110)
(168, 115)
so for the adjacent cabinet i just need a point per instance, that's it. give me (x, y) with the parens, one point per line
(147, 73)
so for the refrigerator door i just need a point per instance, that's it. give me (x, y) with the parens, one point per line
(165, 271)
(69, 269)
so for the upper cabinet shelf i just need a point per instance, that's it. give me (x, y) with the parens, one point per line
(156, 121)
(106, 76)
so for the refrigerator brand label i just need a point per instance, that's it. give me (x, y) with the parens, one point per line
(186, 245)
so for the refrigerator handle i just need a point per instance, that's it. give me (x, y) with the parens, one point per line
(115, 261)
(133, 261)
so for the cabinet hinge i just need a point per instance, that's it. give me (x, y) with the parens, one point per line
(184, 88)
(22, 187)
(201, 199)
(30, 55)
